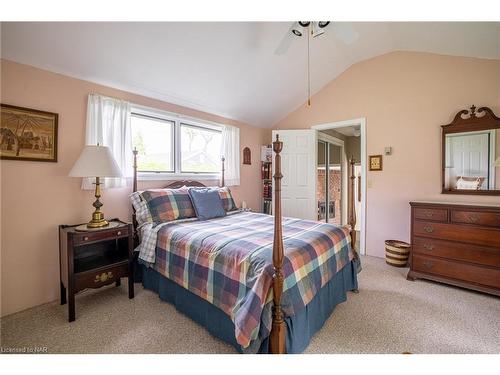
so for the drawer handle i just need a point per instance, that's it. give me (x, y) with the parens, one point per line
(85, 238)
(428, 247)
(119, 233)
(428, 264)
(428, 214)
(428, 229)
(473, 218)
(103, 277)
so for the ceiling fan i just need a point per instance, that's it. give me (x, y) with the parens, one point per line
(343, 31)
(313, 29)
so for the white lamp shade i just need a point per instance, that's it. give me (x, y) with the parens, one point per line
(497, 162)
(96, 161)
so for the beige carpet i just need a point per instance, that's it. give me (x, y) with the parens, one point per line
(389, 315)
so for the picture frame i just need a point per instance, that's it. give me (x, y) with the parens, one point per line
(247, 156)
(28, 134)
(375, 162)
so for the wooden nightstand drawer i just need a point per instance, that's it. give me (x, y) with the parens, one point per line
(98, 278)
(431, 214)
(88, 237)
(489, 219)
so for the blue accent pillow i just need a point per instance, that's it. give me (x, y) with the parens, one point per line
(207, 203)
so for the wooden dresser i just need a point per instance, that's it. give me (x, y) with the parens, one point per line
(456, 244)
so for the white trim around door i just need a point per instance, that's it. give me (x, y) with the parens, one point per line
(362, 124)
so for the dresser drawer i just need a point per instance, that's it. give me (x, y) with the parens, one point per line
(460, 233)
(431, 214)
(88, 237)
(457, 270)
(490, 219)
(457, 251)
(98, 278)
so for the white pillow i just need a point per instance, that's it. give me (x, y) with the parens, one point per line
(468, 185)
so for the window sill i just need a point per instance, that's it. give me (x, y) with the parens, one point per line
(143, 176)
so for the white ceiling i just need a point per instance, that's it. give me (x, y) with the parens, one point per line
(228, 69)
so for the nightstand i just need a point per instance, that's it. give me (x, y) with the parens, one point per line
(92, 259)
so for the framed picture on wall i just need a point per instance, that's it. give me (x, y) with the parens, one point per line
(247, 156)
(27, 134)
(375, 162)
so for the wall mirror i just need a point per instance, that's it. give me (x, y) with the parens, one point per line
(471, 153)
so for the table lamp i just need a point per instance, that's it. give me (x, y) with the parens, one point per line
(96, 161)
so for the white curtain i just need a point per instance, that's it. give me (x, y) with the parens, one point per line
(231, 151)
(108, 123)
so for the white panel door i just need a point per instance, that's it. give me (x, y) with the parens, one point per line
(298, 166)
(470, 156)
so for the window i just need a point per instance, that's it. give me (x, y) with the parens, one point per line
(200, 149)
(153, 138)
(170, 145)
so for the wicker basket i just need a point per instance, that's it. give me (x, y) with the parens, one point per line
(396, 253)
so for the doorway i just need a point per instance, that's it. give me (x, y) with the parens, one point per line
(330, 177)
(351, 135)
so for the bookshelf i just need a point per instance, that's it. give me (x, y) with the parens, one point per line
(266, 157)
(267, 187)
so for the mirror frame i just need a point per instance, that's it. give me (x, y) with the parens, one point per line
(464, 121)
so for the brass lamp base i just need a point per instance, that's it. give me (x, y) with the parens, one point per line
(97, 223)
(97, 216)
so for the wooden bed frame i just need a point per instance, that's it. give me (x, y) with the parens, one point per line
(277, 336)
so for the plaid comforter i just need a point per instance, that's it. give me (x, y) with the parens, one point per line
(228, 262)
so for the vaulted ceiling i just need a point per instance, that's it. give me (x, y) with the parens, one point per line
(229, 69)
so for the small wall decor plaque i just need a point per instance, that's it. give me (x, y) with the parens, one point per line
(247, 156)
(375, 162)
(27, 134)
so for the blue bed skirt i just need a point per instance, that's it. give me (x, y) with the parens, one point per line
(300, 328)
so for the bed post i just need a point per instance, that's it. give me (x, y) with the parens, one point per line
(352, 205)
(277, 337)
(135, 152)
(134, 188)
(222, 182)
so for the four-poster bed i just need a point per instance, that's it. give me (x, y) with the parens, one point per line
(278, 340)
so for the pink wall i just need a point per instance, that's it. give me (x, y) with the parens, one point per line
(36, 197)
(405, 97)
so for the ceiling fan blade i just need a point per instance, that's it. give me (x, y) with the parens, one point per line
(287, 40)
(345, 32)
